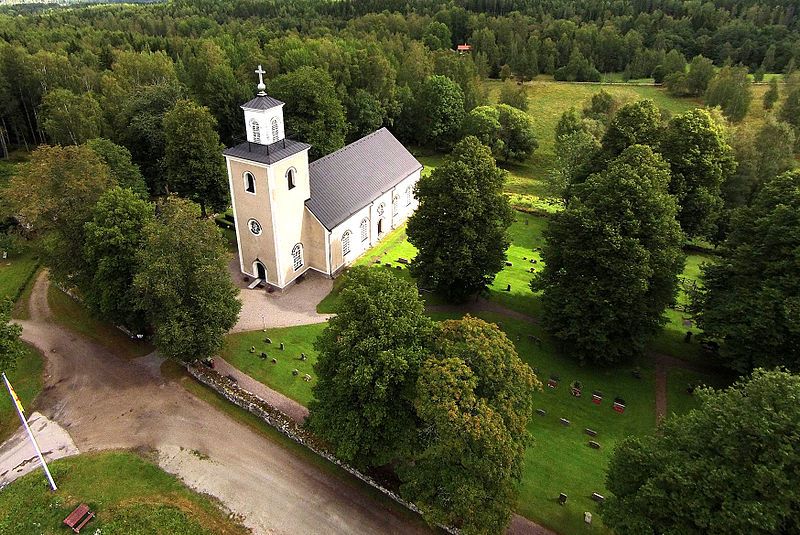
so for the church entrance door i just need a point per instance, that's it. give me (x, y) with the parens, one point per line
(380, 227)
(261, 271)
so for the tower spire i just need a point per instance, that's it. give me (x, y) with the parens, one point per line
(261, 87)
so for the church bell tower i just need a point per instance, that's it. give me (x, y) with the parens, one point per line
(269, 184)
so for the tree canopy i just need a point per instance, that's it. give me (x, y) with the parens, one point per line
(369, 357)
(749, 300)
(612, 258)
(731, 466)
(461, 245)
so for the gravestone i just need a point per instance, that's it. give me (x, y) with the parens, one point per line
(252, 349)
(563, 421)
(599, 498)
(274, 360)
(562, 499)
(688, 338)
(306, 378)
(594, 445)
(590, 432)
(508, 288)
(509, 264)
(402, 260)
(267, 340)
(541, 412)
(295, 372)
(263, 356)
(597, 397)
(282, 346)
(303, 357)
(587, 517)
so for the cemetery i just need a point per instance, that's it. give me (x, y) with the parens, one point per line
(581, 412)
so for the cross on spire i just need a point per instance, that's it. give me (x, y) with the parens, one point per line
(261, 87)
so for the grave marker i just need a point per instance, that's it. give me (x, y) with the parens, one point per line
(564, 421)
(590, 432)
(541, 412)
(562, 499)
(599, 498)
(593, 444)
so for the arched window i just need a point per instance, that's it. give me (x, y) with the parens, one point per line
(274, 129)
(346, 243)
(395, 204)
(408, 195)
(256, 128)
(249, 182)
(297, 256)
(290, 176)
(364, 229)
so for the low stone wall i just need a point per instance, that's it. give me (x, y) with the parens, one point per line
(275, 418)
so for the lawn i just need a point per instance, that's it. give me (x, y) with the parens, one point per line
(26, 378)
(579, 470)
(296, 340)
(129, 494)
(15, 273)
(73, 315)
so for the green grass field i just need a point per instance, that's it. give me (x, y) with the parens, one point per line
(74, 316)
(296, 340)
(26, 378)
(128, 494)
(15, 273)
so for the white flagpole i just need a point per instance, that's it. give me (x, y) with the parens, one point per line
(30, 434)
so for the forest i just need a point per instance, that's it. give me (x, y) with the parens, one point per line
(119, 63)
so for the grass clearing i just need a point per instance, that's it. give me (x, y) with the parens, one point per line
(73, 315)
(26, 379)
(129, 495)
(297, 340)
(15, 273)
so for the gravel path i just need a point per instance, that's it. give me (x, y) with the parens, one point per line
(106, 402)
(295, 306)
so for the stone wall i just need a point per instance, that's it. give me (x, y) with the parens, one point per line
(248, 401)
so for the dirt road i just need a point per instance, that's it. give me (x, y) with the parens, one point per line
(107, 402)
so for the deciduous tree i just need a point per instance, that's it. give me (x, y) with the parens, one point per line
(114, 236)
(53, 194)
(193, 156)
(473, 399)
(750, 300)
(731, 90)
(314, 113)
(731, 466)
(11, 347)
(701, 160)
(439, 110)
(71, 119)
(460, 225)
(369, 357)
(612, 258)
(118, 160)
(183, 286)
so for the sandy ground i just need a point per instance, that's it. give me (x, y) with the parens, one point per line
(295, 306)
(107, 402)
(17, 456)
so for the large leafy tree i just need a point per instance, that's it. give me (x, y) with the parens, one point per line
(313, 110)
(460, 225)
(731, 466)
(369, 357)
(473, 399)
(53, 194)
(193, 156)
(636, 123)
(731, 90)
(113, 237)
(438, 111)
(182, 283)
(517, 133)
(118, 160)
(11, 347)
(701, 160)
(70, 119)
(139, 126)
(750, 301)
(612, 259)
(790, 112)
(509, 132)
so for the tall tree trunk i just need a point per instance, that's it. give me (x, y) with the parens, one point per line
(27, 116)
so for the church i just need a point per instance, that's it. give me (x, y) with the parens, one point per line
(292, 216)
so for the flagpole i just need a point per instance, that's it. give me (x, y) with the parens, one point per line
(22, 419)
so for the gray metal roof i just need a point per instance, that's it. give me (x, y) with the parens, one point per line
(262, 102)
(267, 154)
(345, 181)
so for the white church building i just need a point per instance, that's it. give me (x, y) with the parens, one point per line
(292, 216)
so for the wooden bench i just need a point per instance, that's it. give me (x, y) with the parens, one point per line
(79, 517)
